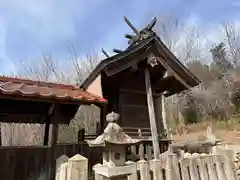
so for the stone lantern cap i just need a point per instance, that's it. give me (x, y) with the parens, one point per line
(113, 134)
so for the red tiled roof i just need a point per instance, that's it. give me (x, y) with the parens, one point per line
(46, 90)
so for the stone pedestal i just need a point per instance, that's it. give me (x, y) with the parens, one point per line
(115, 172)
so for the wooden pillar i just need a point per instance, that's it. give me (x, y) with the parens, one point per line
(46, 132)
(103, 113)
(164, 115)
(53, 151)
(0, 134)
(48, 119)
(81, 135)
(53, 112)
(152, 116)
(120, 109)
(158, 113)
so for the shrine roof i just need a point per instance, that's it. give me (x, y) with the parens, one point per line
(145, 43)
(151, 44)
(26, 89)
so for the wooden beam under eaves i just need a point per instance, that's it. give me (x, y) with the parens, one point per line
(170, 70)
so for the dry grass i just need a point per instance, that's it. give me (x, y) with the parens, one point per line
(226, 131)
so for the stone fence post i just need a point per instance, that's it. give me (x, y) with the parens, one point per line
(76, 168)
(60, 165)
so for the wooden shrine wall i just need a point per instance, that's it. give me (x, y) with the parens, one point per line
(134, 111)
(126, 94)
(133, 101)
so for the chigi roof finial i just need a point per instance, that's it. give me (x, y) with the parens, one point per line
(139, 35)
(142, 34)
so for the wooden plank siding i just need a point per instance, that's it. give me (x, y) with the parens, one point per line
(28, 162)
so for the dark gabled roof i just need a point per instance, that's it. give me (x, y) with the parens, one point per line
(104, 63)
(177, 66)
(155, 43)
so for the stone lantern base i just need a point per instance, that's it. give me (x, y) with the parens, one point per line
(115, 171)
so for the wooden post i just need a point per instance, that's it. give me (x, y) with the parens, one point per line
(0, 134)
(103, 113)
(53, 151)
(48, 119)
(152, 115)
(158, 113)
(164, 121)
(46, 132)
(164, 117)
(81, 135)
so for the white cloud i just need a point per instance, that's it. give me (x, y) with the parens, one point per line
(41, 25)
(51, 19)
(48, 21)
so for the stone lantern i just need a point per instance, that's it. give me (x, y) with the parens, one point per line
(114, 142)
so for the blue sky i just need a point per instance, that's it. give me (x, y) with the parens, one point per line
(31, 27)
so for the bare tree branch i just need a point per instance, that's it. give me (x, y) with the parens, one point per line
(181, 38)
(232, 34)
